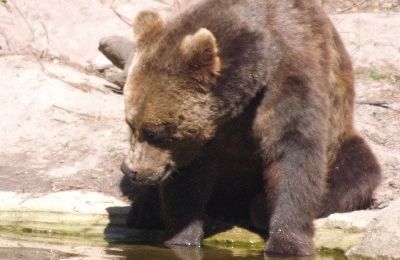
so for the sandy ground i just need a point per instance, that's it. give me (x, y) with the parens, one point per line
(62, 129)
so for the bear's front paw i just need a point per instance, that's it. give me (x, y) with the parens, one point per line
(183, 241)
(289, 244)
(191, 235)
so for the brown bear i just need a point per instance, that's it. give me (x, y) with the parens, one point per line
(236, 100)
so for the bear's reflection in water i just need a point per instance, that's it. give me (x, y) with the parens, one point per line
(205, 253)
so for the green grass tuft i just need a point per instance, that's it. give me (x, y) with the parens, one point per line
(375, 75)
(389, 77)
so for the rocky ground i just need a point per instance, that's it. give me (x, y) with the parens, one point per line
(62, 126)
(351, 6)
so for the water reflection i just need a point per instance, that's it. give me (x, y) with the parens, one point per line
(205, 253)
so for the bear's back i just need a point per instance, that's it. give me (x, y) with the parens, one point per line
(262, 41)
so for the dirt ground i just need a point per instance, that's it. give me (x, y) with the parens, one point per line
(61, 128)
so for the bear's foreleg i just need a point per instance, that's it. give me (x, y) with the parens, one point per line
(291, 125)
(145, 211)
(293, 194)
(184, 198)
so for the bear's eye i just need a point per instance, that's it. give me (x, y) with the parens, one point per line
(156, 133)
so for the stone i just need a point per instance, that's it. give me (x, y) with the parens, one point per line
(382, 237)
(119, 50)
(341, 232)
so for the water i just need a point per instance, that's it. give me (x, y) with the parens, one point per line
(141, 252)
(204, 253)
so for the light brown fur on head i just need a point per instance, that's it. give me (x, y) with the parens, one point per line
(168, 99)
(200, 51)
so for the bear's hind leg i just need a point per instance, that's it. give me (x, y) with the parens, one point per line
(352, 179)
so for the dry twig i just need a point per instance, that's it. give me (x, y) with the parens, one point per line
(120, 16)
(377, 104)
(74, 112)
(353, 6)
(47, 33)
(25, 20)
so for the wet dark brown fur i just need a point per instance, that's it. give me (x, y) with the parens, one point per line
(235, 100)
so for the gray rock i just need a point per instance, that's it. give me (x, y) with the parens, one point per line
(342, 231)
(120, 51)
(382, 237)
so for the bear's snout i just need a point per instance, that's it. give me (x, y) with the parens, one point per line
(146, 176)
(147, 164)
(127, 171)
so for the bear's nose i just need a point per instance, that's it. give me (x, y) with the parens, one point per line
(127, 171)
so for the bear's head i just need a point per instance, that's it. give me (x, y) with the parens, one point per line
(169, 101)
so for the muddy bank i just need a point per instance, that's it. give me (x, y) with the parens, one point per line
(93, 219)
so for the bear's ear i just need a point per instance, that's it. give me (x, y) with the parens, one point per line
(200, 52)
(146, 25)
